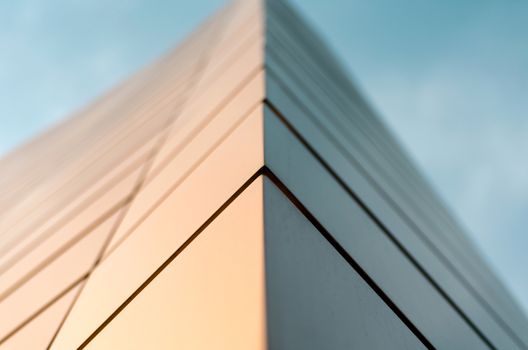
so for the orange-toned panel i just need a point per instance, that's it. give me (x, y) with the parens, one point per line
(39, 244)
(74, 178)
(37, 333)
(246, 42)
(77, 137)
(77, 143)
(172, 222)
(240, 31)
(210, 97)
(188, 155)
(53, 279)
(211, 296)
(121, 132)
(117, 181)
(110, 108)
(248, 8)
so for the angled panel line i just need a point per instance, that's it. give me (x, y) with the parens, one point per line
(380, 225)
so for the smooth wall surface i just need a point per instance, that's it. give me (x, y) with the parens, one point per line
(237, 194)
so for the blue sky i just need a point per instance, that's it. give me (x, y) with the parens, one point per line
(450, 77)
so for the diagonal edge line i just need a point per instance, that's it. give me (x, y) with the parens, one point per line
(383, 173)
(309, 216)
(360, 110)
(78, 281)
(120, 212)
(47, 233)
(215, 145)
(488, 308)
(362, 126)
(118, 208)
(44, 307)
(150, 66)
(210, 116)
(199, 70)
(203, 124)
(115, 209)
(62, 220)
(68, 310)
(230, 200)
(349, 259)
(207, 59)
(362, 104)
(15, 240)
(82, 233)
(495, 315)
(228, 62)
(144, 71)
(378, 223)
(217, 73)
(485, 304)
(265, 171)
(141, 72)
(145, 167)
(64, 248)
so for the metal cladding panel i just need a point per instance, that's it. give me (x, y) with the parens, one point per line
(143, 221)
(315, 299)
(311, 92)
(210, 296)
(39, 331)
(54, 277)
(235, 90)
(343, 124)
(41, 246)
(187, 156)
(363, 238)
(189, 203)
(344, 115)
(419, 253)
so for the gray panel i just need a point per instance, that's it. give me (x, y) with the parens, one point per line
(286, 36)
(321, 77)
(364, 240)
(426, 254)
(457, 286)
(404, 195)
(315, 300)
(309, 47)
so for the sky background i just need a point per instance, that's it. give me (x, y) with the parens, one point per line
(450, 77)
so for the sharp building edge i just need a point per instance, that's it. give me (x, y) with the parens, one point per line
(239, 193)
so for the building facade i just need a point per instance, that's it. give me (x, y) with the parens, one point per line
(237, 194)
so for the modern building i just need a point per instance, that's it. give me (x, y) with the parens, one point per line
(237, 194)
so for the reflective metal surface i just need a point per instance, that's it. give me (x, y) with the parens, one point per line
(237, 194)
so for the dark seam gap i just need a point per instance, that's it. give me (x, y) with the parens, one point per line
(378, 223)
